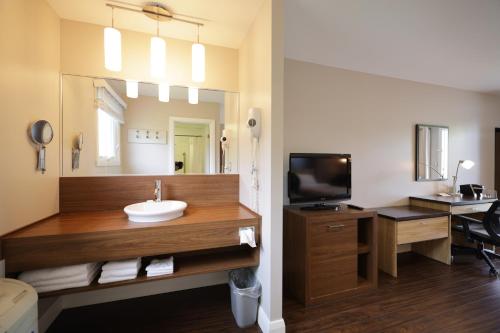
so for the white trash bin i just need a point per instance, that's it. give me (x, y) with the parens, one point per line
(245, 293)
(18, 307)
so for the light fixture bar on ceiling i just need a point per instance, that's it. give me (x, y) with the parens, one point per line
(150, 12)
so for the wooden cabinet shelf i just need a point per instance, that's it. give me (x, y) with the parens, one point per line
(327, 254)
(183, 266)
(363, 248)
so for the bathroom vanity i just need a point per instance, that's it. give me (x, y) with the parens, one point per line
(92, 227)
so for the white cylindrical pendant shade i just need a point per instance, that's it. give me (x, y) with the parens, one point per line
(198, 62)
(158, 55)
(193, 95)
(132, 88)
(112, 49)
(164, 92)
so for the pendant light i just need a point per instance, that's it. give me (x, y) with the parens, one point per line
(157, 54)
(164, 92)
(112, 47)
(198, 60)
(193, 95)
(132, 88)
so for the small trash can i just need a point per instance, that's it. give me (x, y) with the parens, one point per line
(245, 293)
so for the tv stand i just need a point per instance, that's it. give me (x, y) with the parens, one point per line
(322, 206)
(329, 255)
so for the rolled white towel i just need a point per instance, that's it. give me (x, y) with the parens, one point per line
(67, 280)
(163, 264)
(116, 279)
(122, 264)
(55, 273)
(85, 281)
(119, 273)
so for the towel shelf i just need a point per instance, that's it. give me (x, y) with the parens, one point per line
(191, 264)
(195, 240)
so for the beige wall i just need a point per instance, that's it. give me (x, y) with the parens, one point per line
(82, 53)
(29, 90)
(260, 86)
(330, 110)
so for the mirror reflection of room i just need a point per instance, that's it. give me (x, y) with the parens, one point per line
(132, 127)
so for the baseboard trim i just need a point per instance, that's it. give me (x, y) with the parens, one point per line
(267, 326)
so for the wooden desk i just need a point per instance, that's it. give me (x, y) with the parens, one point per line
(404, 228)
(453, 205)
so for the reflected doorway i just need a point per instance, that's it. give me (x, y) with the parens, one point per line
(192, 145)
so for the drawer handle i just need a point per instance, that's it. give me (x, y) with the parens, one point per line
(335, 227)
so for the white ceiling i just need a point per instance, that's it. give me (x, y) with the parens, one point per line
(226, 21)
(454, 43)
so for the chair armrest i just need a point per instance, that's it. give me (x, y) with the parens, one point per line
(465, 223)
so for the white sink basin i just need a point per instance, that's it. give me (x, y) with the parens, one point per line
(152, 211)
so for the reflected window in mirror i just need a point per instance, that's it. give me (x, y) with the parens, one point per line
(431, 153)
(108, 151)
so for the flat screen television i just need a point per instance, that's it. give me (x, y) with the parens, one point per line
(318, 178)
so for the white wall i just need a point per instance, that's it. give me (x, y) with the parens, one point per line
(261, 79)
(330, 110)
(29, 91)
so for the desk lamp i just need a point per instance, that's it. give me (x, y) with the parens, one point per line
(466, 164)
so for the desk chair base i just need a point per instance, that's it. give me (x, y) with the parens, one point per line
(480, 252)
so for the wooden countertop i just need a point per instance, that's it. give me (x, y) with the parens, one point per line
(408, 213)
(81, 237)
(453, 201)
(115, 220)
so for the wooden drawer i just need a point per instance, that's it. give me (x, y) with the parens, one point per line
(469, 209)
(330, 275)
(333, 238)
(422, 230)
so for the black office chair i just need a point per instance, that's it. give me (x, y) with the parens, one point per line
(480, 232)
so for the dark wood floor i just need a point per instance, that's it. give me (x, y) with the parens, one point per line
(427, 297)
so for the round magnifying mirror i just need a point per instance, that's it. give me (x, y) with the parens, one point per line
(41, 132)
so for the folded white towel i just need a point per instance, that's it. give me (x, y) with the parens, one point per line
(159, 273)
(157, 264)
(122, 264)
(66, 280)
(55, 273)
(116, 279)
(119, 273)
(82, 283)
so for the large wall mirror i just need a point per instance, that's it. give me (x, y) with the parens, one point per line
(114, 127)
(431, 152)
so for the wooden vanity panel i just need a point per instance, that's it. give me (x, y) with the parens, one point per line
(77, 194)
(74, 238)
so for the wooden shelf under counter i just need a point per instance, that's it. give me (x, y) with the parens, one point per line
(191, 264)
(82, 237)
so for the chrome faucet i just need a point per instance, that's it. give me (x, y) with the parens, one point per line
(158, 190)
